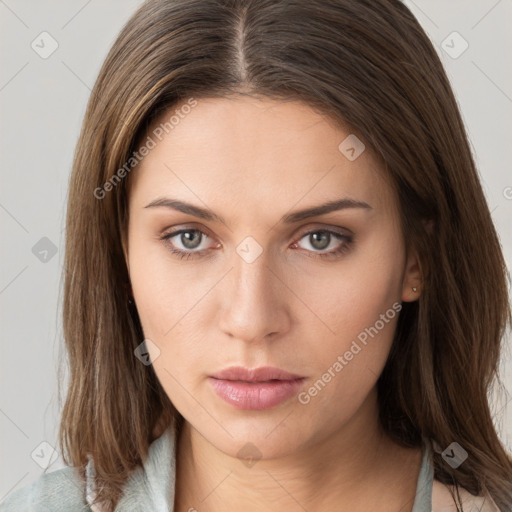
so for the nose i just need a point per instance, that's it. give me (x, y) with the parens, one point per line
(255, 300)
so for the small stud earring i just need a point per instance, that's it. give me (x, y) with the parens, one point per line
(415, 289)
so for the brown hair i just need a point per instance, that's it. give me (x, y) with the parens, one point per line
(366, 64)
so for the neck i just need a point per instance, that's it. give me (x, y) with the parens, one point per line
(355, 468)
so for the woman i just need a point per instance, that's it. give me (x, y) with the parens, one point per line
(274, 296)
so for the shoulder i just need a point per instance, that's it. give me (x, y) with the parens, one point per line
(60, 490)
(442, 500)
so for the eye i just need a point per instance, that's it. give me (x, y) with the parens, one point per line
(321, 239)
(187, 241)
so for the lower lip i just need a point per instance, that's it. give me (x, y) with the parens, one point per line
(257, 395)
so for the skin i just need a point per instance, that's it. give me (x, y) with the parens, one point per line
(252, 160)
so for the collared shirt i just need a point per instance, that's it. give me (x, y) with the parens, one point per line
(151, 487)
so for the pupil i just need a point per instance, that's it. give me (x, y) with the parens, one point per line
(320, 240)
(188, 241)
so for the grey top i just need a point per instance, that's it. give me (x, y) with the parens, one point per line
(150, 487)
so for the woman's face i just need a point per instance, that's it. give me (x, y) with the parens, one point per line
(258, 282)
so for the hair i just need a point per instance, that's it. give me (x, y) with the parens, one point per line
(367, 65)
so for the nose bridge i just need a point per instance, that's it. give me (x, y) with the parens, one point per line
(253, 305)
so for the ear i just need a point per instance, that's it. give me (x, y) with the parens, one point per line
(412, 282)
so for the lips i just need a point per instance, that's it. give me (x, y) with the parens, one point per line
(255, 389)
(262, 374)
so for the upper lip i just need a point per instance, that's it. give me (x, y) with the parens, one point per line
(262, 374)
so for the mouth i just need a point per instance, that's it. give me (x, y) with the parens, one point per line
(255, 389)
(262, 374)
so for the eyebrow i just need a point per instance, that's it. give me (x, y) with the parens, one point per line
(290, 218)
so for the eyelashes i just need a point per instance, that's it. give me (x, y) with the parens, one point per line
(344, 243)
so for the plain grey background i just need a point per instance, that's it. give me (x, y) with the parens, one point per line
(42, 103)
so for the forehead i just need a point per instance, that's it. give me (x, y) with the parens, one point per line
(247, 150)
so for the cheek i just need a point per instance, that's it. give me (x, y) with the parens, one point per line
(171, 301)
(351, 294)
(357, 303)
(164, 290)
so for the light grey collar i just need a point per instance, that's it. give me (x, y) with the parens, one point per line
(423, 499)
(152, 486)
